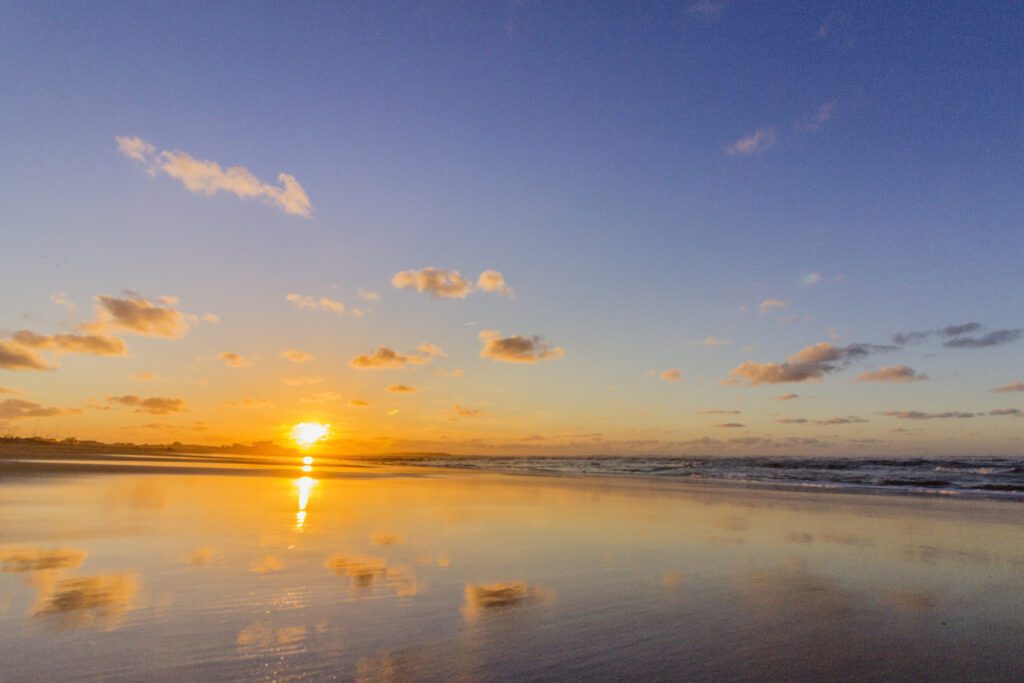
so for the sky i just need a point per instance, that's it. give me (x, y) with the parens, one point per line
(694, 228)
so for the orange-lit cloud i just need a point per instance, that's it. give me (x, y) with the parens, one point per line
(138, 316)
(296, 356)
(1006, 388)
(810, 363)
(14, 356)
(672, 375)
(302, 381)
(17, 409)
(357, 403)
(449, 284)
(156, 405)
(769, 305)
(517, 349)
(311, 304)
(493, 281)
(402, 389)
(464, 411)
(207, 177)
(385, 357)
(234, 360)
(891, 373)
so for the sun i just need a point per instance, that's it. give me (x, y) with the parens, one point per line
(305, 434)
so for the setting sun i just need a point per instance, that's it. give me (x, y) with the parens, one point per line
(306, 434)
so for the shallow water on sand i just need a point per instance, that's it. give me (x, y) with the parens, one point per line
(388, 574)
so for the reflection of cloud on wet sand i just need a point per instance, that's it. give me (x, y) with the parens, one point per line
(364, 573)
(672, 579)
(911, 601)
(794, 589)
(500, 596)
(201, 557)
(98, 600)
(262, 635)
(385, 539)
(36, 560)
(267, 565)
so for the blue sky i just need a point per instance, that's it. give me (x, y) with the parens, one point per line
(640, 173)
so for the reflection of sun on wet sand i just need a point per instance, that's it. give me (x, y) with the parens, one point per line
(496, 596)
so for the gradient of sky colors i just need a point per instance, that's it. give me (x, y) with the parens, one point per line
(696, 228)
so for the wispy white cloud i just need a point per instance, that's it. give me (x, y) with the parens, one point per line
(208, 177)
(755, 143)
(769, 305)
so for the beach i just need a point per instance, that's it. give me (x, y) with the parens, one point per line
(359, 571)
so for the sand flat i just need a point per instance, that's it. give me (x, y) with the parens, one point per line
(355, 572)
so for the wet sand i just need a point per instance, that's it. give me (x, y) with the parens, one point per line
(208, 570)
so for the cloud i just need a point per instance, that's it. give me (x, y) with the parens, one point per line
(787, 397)
(402, 389)
(233, 360)
(769, 305)
(721, 412)
(311, 304)
(145, 377)
(302, 381)
(17, 409)
(819, 118)
(672, 375)
(755, 143)
(517, 349)
(1006, 388)
(714, 341)
(731, 425)
(440, 284)
(62, 300)
(493, 281)
(156, 405)
(386, 357)
(707, 9)
(87, 344)
(207, 177)
(367, 295)
(891, 373)
(296, 356)
(249, 403)
(14, 356)
(962, 336)
(463, 411)
(139, 316)
(1007, 411)
(356, 403)
(810, 363)
(431, 350)
(322, 397)
(853, 419)
(993, 338)
(449, 284)
(918, 415)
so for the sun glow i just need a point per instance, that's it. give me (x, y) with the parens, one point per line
(305, 434)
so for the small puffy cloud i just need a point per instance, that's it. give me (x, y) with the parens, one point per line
(769, 305)
(402, 389)
(672, 375)
(891, 373)
(367, 295)
(234, 360)
(139, 316)
(517, 349)
(787, 397)
(755, 143)
(1006, 388)
(714, 341)
(357, 403)
(14, 356)
(296, 356)
(820, 116)
(431, 350)
(918, 415)
(730, 425)
(302, 381)
(88, 344)
(464, 411)
(493, 281)
(156, 405)
(438, 283)
(16, 409)
(62, 300)
(310, 304)
(386, 357)
(207, 177)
